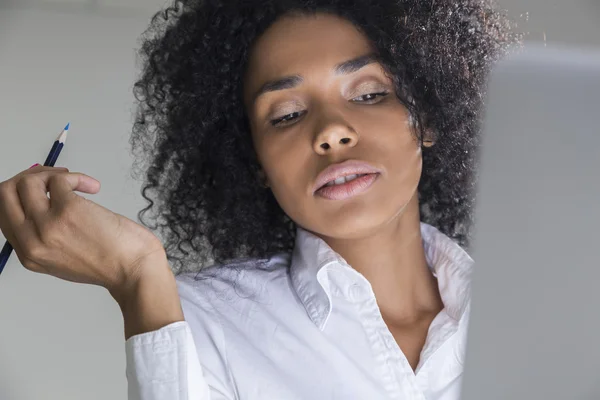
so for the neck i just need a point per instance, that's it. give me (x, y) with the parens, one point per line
(393, 261)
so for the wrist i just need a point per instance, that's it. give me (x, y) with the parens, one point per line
(151, 266)
(151, 300)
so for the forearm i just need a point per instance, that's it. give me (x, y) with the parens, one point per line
(152, 302)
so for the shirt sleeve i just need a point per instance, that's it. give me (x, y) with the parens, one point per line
(184, 360)
(164, 365)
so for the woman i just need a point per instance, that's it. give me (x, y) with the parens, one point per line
(320, 159)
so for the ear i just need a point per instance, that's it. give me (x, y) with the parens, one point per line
(428, 139)
(263, 178)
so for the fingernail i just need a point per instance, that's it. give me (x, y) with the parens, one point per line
(34, 165)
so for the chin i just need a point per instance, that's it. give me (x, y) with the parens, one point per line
(346, 224)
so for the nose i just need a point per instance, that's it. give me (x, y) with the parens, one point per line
(334, 137)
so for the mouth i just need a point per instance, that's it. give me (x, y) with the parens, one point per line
(344, 173)
(347, 187)
(342, 180)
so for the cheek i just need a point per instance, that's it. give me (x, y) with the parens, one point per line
(401, 155)
(287, 171)
(290, 181)
(292, 198)
(408, 165)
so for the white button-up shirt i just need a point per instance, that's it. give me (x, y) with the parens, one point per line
(304, 326)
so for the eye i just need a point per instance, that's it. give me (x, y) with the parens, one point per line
(282, 121)
(370, 97)
(287, 118)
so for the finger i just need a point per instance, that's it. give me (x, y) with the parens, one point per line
(61, 186)
(39, 168)
(33, 190)
(11, 213)
(30, 188)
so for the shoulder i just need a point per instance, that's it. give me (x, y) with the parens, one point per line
(232, 303)
(218, 302)
(235, 282)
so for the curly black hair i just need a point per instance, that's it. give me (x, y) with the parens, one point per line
(192, 135)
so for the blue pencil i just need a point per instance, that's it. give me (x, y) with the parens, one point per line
(50, 161)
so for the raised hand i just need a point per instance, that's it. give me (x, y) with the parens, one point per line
(69, 236)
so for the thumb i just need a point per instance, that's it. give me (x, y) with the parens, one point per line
(61, 186)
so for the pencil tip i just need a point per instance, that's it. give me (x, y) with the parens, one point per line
(67, 127)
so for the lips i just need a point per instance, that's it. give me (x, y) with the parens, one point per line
(336, 171)
(349, 189)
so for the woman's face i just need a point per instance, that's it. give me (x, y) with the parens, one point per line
(330, 117)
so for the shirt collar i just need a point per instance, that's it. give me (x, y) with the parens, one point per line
(312, 257)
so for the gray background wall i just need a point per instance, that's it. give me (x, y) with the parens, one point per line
(74, 61)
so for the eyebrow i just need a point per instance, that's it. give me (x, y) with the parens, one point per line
(289, 82)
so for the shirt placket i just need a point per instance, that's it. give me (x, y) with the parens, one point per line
(396, 373)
